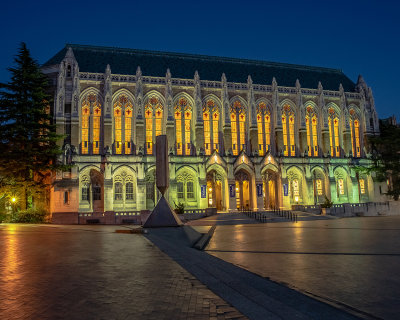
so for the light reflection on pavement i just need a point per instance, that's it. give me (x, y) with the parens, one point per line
(355, 261)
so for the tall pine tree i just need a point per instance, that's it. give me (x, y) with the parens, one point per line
(28, 142)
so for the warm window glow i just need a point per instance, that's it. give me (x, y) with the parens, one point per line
(288, 131)
(149, 129)
(211, 127)
(333, 123)
(118, 130)
(355, 137)
(340, 187)
(96, 130)
(183, 116)
(128, 130)
(312, 137)
(264, 128)
(296, 187)
(153, 119)
(238, 122)
(362, 186)
(85, 130)
(318, 183)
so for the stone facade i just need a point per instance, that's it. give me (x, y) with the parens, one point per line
(266, 146)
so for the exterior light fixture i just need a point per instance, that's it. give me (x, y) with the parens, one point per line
(209, 189)
(296, 198)
(269, 159)
(13, 199)
(237, 189)
(215, 158)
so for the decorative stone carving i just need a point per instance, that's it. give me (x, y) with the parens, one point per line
(168, 95)
(139, 93)
(251, 101)
(107, 91)
(197, 98)
(225, 99)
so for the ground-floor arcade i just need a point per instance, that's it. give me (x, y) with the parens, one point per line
(124, 184)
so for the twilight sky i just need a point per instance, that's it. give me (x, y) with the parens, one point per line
(357, 36)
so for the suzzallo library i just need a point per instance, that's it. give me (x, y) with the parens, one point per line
(241, 133)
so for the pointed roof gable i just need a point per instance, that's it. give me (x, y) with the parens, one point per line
(243, 158)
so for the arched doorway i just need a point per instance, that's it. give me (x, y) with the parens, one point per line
(97, 186)
(214, 190)
(318, 186)
(270, 191)
(243, 190)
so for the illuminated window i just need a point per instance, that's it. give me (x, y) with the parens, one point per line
(118, 130)
(85, 130)
(238, 122)
(96, 130)
(296, 187)
(288, 131)
(333, 123)
(153, 120)
(91, 105)
(211, 127)
(355, 134)
(264, 128)
(312, 137)
(318, 183)
(183, 116)
(128, 130)
(340, 185)
(362, 186)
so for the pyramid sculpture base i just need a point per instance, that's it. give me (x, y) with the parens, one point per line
(162, 216)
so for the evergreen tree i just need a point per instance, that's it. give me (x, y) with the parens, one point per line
(386, 157)
(28, 140)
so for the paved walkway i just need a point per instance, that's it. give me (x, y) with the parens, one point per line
(91, 272)
(254, 296)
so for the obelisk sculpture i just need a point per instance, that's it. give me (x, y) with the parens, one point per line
(162, 215)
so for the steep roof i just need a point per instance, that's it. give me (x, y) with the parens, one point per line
(155, 63)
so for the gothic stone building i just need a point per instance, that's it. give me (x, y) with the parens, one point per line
(241, 133)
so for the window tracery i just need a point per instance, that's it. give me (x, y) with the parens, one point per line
(211, 126)
(288, 131)
(312, 134)
(124, 189)
(333, 123)
(183, 116)
(185, 187)
(153, 121)
(91, 128)
(264, 128)
(123, 112)
(354, 123)
(238, 122)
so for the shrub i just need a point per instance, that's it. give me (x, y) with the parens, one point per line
(27, 216)
(327, 204)
(179, 208)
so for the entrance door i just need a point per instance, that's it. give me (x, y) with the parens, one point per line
(242, 184)
(269, 185)
(214, 190)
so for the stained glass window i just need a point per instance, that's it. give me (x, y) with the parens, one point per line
(312, 137)
(128, 130)
(319, 187)
(153, 120)
(238, 123)
(288, 131)
(333, 123)
(183, 116)
(340, 186)
(85, 130)
(211, 127)
(96, 130)
(355, 134)
(118, 130)
(263, 128)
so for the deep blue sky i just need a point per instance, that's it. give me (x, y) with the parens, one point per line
(359, 37)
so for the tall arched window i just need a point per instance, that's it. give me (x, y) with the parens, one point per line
(355, 134)
(211, 127)
(185, 188)
(124, 190)
(312, 134)
(153, 115)
(238, 122)
(183, 116)
(90, 105)
(264, 128)
(333, 123)
(123, 111)
(288, 131)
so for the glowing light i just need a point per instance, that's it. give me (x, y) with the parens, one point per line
(13, 199)
(210, 189)
(296, 199)
(269, 159)
(215, 158)
(237, 189)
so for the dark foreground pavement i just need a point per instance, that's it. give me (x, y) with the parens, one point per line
(254, 296)
(91, 272)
